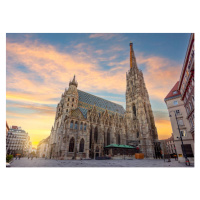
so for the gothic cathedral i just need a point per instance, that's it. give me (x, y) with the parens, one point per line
(85, 124)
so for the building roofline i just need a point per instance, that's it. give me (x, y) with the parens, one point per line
(174, 97)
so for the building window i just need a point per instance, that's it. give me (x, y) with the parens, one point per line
(71, 124)
(71, 145)
(81, 147)
(76, 125)
(67, 110)
(72, 105)
(73, 99)
(180, 122)
(189, 89)
(190, 105)
(81, 126)
(193, 119)
(187, 110)
(193, 100)
(175, 102)
(183, 133)
(68, 99)
(187, 95)
(175, 92)
(191, 122)
(177, 112)
(84, 127)
(68, 104)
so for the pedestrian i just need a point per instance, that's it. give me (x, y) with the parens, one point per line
(19, 157)
(28, 157)
(16, 158)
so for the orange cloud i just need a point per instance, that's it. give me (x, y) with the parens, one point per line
(164, 129)
(160, 74)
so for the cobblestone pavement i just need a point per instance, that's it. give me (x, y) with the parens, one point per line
(41, 162)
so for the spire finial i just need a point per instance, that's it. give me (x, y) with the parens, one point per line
(132, 57)
(73, 82)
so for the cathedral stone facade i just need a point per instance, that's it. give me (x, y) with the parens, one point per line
(85, 124)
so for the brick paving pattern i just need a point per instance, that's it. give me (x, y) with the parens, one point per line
(41, 162)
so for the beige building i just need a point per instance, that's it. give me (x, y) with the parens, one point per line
(170, 145)
(178, 118)
(42, 148)
(85, 124)
(17, 141)
(34, 150)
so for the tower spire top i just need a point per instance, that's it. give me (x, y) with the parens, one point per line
(73, 82)
(132, 57)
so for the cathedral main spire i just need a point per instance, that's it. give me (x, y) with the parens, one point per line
(132, 57)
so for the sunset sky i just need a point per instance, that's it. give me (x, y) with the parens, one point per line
(40, 66)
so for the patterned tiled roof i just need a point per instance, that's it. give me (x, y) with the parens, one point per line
(84, 111)
(86, 101)
(77, 112)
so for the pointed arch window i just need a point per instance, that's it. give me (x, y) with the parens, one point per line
(85, 126)
(108, 137)
(68, 104)
(81, 147)
(76, 125)
(138, 134)
(90, 138)
(81, 126)
(73, 99)
(96, 135)
(134, 109)
(68, 99)
(71, 124)
(118, 138)
(71, 145)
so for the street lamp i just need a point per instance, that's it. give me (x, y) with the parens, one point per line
(187, 162)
